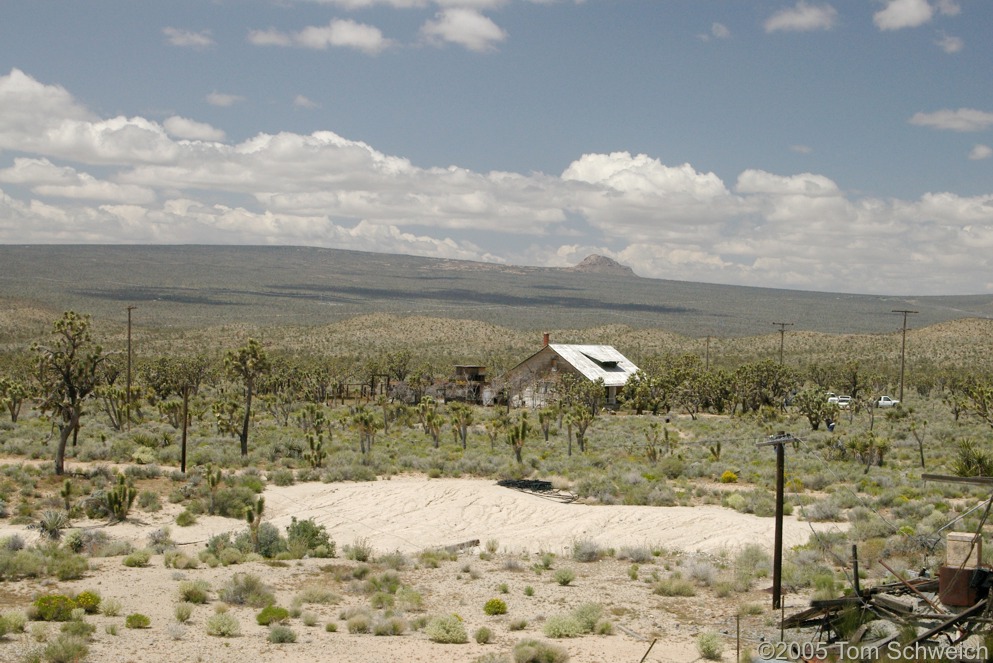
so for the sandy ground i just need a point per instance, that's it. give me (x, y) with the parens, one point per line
(410, 514)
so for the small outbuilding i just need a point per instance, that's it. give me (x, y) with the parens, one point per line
(534, 378)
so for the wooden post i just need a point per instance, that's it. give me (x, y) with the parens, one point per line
(855, 570)
(778, 440)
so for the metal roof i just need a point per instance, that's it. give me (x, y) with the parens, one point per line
(597, 362)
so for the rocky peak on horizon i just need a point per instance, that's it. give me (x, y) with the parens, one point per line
(597, 264)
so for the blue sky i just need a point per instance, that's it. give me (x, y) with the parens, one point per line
(844, 145)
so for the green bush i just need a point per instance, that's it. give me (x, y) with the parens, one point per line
(389, 626)
(272, 614)
(186, 518)
(279, 634)
(447, 629)
(359, 623)
(223, 625)
(587, 550)
(54, 607)
(66, 649)
(674, 586)
(562, 626)
(710, 645)
(483, 635)
(88, 601)
(110, 607)
(78, 628)
(183, 611)
(535, 651)
(306, 537)
(247, 589)
(495, 607)
(138, 559)
(518, 624)
(194, 591)
(137, 620)
(564, 576)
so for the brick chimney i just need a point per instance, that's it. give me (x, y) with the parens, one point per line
(544, 339)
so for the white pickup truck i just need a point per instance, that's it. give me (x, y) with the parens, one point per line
(886, 401)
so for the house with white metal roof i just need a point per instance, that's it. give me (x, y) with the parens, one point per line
(534, 377)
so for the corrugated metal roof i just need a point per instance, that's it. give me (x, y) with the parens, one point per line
(597, 361)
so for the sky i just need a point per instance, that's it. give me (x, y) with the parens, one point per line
(838, 145)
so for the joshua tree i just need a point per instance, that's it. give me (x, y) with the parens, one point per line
(461, 418)
(68, 373)
(247, 364)
(517, 436)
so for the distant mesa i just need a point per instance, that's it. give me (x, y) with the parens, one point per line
(594, 264)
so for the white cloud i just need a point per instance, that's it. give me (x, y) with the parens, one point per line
(949, 7)
(145, 184)
(949, 44)
(803, 17)
(720, 31)
(465, 27)
(963, 119)
(980, 152)
(301, 101)
(187, 39)
(899, 14)
(181, 127)
(338, 33)
(223, 100)
(343, 34)
(801, 149)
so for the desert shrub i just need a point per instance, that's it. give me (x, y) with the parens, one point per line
(587, 550)
(194, 591)
(388, 583)
(186, 518)
(137, 620)
(359, 623)
(247, 589)
(604, 627)
(729, 477)
(528, 590)
(381, 600)
(495, 607)
(562, 626)
(79, 628)
(272, 614)
(518, 624)
(223, 625)
(637, 554)
(110, 607)
(433, 557)
(360, 550)
(409, 600)
(14, 621)
(710, 645)
(54, 607)
(389, 626)
(279, 634)
(89, 601)
(530, 650)
(138, 559)
(564, 576)
(66, 649)
(331, 627)
(231, 556)
(309, 618)
(482, 635)
(305, 537)
(52, 522)
(395, 560)
(232, 502)
(447, 629)
(674, 586)
(587, 615)
(183, 612)
(148, 500)
(314, 594)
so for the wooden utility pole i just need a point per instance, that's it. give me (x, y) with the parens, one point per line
(782, 337)
(903, 345)
(707, 355)
(128, 395)
(778, 440)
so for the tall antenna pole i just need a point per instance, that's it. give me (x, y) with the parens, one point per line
(782, 337)
(707, 365)
(128, 395)
(903, 345)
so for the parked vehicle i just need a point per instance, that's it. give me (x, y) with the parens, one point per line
(832, 397)
(844, 402)
(886, 401)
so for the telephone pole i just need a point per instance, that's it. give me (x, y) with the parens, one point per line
(127, 407)
(782, 337)
(903, 345)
